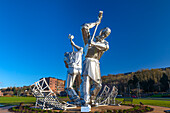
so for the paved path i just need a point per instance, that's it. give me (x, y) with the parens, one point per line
(5, 109)
(158, 109)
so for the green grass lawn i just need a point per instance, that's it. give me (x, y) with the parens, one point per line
(146, 101)
(16, 100)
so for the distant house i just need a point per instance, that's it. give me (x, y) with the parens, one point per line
(56, 85)
(1, 93)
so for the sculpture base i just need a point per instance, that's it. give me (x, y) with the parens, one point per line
(86, 108)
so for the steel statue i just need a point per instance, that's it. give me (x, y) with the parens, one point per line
(73, 62)
(93, 51)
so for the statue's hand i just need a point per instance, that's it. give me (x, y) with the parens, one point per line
(91, 41)
(98, 21)
(70, 36)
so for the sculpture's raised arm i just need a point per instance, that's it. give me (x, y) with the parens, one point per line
(71, 37)
(74, 45)
(85, 28)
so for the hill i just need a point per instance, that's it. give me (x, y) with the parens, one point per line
(154, 80)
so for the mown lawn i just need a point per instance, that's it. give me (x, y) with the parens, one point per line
(145, 101)
(16, 100)
(31, 100)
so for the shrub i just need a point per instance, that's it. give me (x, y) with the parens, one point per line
(148, 108)
(136, 107)
(120, 111)
(130, 109)
(109, 111)
(96, 112)
(115, 111)
(13, 109)
(33, 109)
(142, 110)
(124, 111)
(61, 111)
(50, 111)
(26, 107)
(39, 110)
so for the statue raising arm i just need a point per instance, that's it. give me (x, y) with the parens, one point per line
(71, 37)
(85, 28)
(74, 45)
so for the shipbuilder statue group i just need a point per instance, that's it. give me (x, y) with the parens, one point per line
(84, 62)
(81, 63)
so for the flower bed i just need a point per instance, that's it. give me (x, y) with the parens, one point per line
(28, 109)
(135, 109)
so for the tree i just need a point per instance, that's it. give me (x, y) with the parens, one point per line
(164, 82)
(135, 81)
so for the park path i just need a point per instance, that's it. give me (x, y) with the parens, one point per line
(158, 109)
(5, 109)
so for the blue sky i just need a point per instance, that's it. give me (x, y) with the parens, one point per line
(33, 36)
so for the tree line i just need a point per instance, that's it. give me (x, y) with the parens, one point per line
(153, 80)
(17, 91)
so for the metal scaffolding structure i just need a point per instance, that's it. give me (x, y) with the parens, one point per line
(46, 98)
(107, 97)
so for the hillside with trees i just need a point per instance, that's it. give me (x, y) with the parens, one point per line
(17, 91)
(145, 81)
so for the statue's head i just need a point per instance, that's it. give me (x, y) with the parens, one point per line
(105, 32)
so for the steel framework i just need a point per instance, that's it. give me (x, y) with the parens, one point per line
(46, 98)
(107, 97)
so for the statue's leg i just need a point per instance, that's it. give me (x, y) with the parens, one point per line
(69, 87)
(86, 89)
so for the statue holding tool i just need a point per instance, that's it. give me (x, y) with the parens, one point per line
(94, 49)
(91, 83)
(73, 62)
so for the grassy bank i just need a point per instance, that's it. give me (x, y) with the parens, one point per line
(145, 101)
(16, 100)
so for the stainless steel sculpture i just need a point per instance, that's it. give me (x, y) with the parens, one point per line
(93, 51)
(107, 97)
(73, 61)
(94, 48)
(46, 98)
